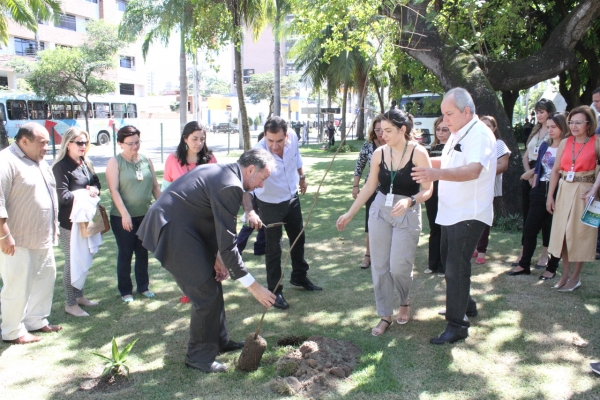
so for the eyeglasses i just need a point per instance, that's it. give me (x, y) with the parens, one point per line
(133, 144)
(578, 122)
(81, 144)
(445, 130)
(378, 130)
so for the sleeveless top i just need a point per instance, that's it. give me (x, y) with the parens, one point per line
(586, 161)
(136, 194)
(404, 184)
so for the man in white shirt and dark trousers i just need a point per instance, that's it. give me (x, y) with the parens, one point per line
(278, 202)
(466, 171)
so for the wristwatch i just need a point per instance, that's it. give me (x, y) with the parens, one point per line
(413, 201)
(302, 176)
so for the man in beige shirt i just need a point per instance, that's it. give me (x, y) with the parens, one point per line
(28, 230)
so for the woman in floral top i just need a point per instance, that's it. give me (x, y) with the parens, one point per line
(374, 140)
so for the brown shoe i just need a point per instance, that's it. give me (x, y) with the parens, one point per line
(82, 301)
(49, 328)
(25, 339)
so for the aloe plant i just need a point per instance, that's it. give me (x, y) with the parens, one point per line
(115, 363)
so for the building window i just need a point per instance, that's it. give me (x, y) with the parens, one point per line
(127, 62)
(121, 5)
(3, 81)
(67, 22)
(25, 47)
(127, 89)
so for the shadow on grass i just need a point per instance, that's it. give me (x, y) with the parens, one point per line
(519, 345)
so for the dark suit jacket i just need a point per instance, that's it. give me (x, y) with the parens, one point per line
(193, 219)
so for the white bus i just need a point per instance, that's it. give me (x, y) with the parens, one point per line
(425, 108)
(103, 112)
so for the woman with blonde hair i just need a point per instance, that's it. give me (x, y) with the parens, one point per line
(577, 157)
(374, 141)
(73, 171)
(394, 217)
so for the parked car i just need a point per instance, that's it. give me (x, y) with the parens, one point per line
(227, 127)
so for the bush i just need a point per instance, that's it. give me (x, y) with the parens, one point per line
(519, 133)
(510, 223)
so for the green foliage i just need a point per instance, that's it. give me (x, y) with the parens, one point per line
(214, 85)
(510, 223)
(234, 120)
(26, 13)
(117, 361)
(257, 121)
(262, 86)
(174, 106)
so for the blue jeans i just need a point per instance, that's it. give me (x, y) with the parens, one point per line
(458, 242)
(128, 243)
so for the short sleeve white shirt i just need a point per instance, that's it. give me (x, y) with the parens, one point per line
(282, 184)
(463, 201)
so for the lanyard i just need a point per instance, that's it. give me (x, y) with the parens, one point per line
(573, 156)
(538, 140)
(393, 172)
(463, 136)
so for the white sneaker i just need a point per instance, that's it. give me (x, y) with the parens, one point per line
(428, 271)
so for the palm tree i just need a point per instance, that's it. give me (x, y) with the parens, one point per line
(26, 13)
(276, 14)
(160, 20)
(251, 14)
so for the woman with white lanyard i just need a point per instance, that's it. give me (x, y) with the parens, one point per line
(394, 216)
(543, 109)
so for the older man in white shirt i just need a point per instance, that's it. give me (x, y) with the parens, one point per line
(467, 173)
(278, 202)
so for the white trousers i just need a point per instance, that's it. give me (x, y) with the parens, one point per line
(28, 284)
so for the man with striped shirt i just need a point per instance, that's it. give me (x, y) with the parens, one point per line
(28, 230)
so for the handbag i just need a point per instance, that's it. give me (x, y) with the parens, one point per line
(98, 224)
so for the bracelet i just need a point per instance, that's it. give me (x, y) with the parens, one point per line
(4, 237)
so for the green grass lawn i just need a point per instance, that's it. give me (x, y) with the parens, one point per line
(520, 345)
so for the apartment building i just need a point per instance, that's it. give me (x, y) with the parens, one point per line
(130, 74)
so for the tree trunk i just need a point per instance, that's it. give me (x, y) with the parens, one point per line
(509, 99)
(277, 73)
(570, 91)
(240, 92)
(183, 89)
(362, 94)
(344, 108)
(379, 95)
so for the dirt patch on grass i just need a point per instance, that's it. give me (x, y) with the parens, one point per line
(315, 368)
(105, 384)
(291, 340)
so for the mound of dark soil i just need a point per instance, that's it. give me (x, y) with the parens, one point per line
(106, 384)
(315, 368)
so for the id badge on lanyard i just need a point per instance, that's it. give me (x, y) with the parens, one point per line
(139, 175)
(570, 175)
(389, 198)
(535, 150)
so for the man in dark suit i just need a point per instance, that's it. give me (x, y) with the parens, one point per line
(191, 229)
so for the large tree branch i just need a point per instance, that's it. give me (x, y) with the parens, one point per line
(554, 57)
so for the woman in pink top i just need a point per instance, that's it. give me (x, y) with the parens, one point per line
(191, 152)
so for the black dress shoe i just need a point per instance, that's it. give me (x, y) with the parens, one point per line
(214, 367)
(547, 278)
(521, 272)
(280, 302)
(233, 346)
(305, 283)
(451, 335)
(468, 313)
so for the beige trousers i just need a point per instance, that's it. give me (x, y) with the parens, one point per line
(28, 284)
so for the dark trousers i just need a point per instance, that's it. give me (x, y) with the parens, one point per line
(331, 138)
(538, 218)
(128, 243)
(484, 240)
(244, 235)
(435, 233)
(458, 242)
(208, 331)
(289, 212)
(525, 192)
